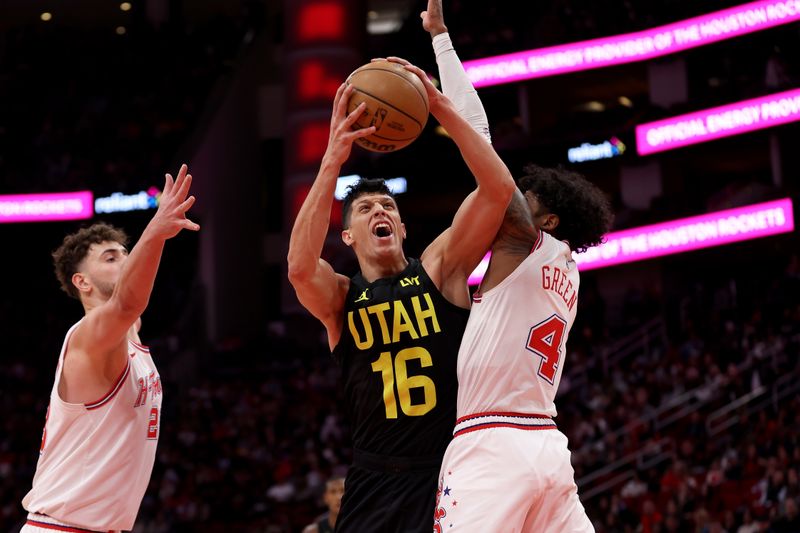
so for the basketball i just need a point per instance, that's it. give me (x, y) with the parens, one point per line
(396, 104)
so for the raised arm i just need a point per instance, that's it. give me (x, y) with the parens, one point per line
(97, 347)
(318, 287)
(456, 85)
(450, 260)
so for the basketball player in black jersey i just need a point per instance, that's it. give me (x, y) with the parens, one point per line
(396, 326)
(334, 488)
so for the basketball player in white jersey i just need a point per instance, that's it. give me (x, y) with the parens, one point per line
(102, 426)
(508, 467)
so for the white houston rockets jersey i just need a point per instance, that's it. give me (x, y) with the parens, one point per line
(96, 458)
(513, 349)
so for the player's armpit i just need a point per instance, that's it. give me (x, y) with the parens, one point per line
(103, 330)
(323, 294)
(517, 234)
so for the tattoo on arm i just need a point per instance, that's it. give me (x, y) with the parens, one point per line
(517, 234)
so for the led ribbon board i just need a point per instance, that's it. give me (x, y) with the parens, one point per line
(682, 235)
(45, 207)
(632, 47)
(725, 121)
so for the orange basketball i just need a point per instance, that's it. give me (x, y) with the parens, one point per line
(397, 105)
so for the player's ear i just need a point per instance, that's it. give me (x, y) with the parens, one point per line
(80, 282)
(403, 229)
(550, 222)
(346, 237)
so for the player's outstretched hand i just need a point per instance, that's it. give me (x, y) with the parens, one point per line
(433, 18)
(435, 96)
(170, 218)
(342, 135)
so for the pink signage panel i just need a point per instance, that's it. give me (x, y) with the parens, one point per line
(682, 235)
(44, 207)
(632, 47)
(718, 122)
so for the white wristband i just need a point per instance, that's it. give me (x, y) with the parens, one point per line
(457, 86)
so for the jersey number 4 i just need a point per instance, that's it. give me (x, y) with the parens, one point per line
(397, 372)
(545, 340)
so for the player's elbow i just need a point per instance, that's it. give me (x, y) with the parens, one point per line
(299, 273)
(501, 189)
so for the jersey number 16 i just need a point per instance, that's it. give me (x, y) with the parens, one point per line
(396, 372)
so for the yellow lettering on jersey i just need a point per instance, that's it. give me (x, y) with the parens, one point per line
(364, 296)
(405, 282)
(368, 340)
(429, 313)
(402, 322)
(378, 310)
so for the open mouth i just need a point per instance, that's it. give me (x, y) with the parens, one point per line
(382, 230)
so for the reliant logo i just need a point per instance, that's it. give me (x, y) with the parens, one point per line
(593, 152)
(118, 202)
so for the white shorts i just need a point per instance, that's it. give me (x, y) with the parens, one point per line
(39, 523)
(508, 473)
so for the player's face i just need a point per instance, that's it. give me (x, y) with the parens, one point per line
(333, 495)
(375, 226)
(103, 264)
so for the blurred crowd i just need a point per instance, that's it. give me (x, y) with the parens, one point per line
(252, 435)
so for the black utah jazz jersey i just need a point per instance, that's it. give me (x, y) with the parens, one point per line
(398, 352)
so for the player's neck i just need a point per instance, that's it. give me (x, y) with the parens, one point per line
(92, 302)
(384, 267)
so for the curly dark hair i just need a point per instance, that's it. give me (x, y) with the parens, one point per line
(360, 188)
(73, 250)
(583, 210)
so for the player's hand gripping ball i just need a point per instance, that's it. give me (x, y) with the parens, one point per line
(396, 104)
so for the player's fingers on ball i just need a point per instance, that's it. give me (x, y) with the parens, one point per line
(395, 59)
(339, 92)
(355, 113)
(341, 106)
(374, 59)
(364, 132)
(338, 98)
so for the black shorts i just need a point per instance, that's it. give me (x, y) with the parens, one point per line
(389, 495)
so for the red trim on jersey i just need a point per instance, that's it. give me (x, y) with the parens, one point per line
(57, 527)
(113, 392)
(140, 346)
(538, 243)
(500, 413)
(490, 425)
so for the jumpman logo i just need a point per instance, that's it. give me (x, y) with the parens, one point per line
(364, 296)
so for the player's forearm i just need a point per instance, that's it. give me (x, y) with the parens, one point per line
(457, 86)
(135, 284)
(311, 225)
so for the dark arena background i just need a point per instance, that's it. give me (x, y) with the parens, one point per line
(681, 386)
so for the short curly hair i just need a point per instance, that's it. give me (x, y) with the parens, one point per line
(584, 211)
(73, 250)
(362, 187)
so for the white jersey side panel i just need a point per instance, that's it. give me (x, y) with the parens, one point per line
(513, 350)
(96, 459)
